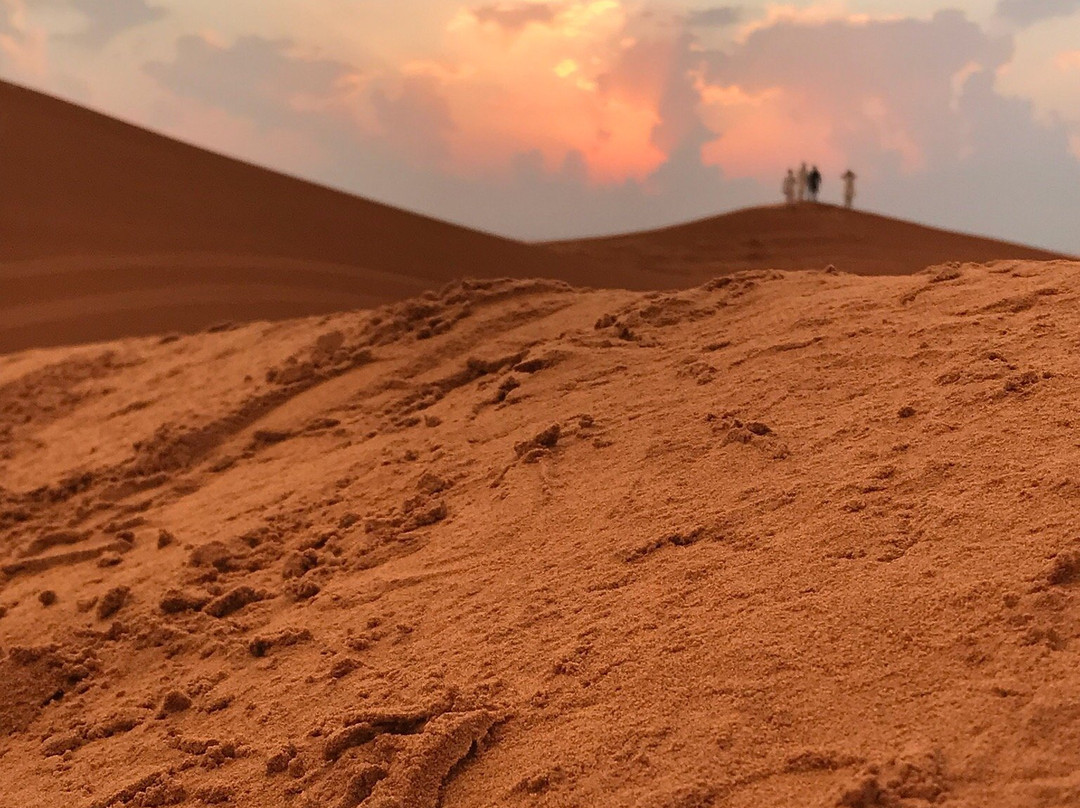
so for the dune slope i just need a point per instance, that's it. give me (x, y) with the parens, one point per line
(782, 539)
(108, 230)
(806, 236)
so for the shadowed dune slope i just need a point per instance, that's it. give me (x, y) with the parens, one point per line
(803, 237)
(783, 539)
(108, 230)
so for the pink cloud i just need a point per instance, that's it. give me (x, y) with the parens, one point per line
(839, 89)
(554, 88)
(766, 140)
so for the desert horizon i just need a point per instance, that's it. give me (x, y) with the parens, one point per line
(589, 468)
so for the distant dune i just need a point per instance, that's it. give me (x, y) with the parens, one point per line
(108, 230)
(808, 236)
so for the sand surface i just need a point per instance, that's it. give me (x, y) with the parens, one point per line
(784, 539)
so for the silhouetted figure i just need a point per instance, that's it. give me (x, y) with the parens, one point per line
(814, 183)
(849, 188)
(802, 179)
(789, 187)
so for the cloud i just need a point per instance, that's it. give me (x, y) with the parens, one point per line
(657, 69)
(107, 20)
(1028, 12)
(515, 16)
(841, 90)
(582, 83)
(9, 10)
(264, 80)
(587, 122)
(1018, 174)
(417, 118)
(23, 45)
(549, 89)
(104, 20)
(715, 17)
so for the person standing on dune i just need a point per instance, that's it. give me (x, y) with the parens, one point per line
(803, 178)
(789, 187)
(849, 188)
(814, 181)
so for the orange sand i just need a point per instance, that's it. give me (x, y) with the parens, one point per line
(775, 539)
(783, 539)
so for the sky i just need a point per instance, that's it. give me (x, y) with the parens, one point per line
(543, 119)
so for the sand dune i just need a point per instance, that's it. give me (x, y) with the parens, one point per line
(92, 206)
(781, 539)
(807, 236)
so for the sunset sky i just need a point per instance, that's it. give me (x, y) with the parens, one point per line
(568, 117)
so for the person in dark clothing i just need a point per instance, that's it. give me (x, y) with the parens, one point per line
(814, 183)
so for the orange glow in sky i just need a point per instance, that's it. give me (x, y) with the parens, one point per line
(768, 142)
(577, 78)
(541, 87)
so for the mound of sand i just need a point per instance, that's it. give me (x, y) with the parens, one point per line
(781, 539)
(807, 236)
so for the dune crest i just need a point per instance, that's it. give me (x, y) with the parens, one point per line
(805, 236)
(779, 539)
